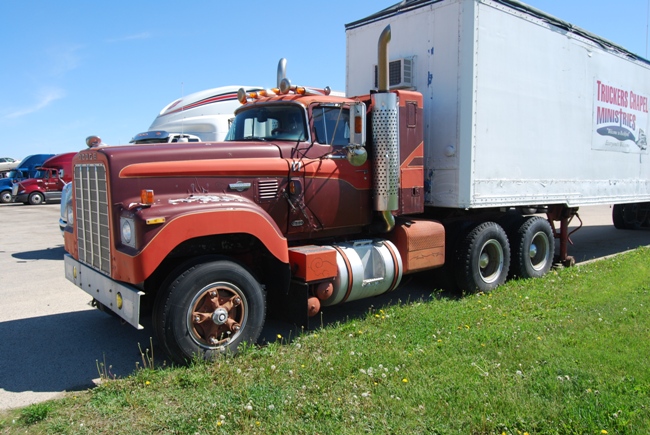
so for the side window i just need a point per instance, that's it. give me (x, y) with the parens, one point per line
(332, 125)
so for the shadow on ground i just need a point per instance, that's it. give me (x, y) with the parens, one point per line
(61, 352)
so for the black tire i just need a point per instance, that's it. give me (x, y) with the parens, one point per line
(630, 216)
(482, 258)
(208, 310)
(36, 198)
(533, 248)
(5, 196)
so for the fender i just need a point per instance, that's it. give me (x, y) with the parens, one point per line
(224, 214)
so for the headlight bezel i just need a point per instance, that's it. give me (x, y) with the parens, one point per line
(127, 231)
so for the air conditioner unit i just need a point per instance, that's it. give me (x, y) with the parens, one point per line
(400, 74)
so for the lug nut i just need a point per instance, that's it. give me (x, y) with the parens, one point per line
(197, 318)
(237, 301)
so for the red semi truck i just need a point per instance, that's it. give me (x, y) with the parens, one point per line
(314, 200)
(47, 183)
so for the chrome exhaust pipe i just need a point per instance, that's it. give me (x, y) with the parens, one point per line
(385, 128)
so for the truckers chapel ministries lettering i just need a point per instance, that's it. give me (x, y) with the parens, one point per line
(618, 112)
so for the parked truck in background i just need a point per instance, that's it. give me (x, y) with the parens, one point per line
(25, 169)
(447, 158)
(205, 114)
(47, 183)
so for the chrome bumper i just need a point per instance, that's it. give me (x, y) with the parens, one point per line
(122, 299)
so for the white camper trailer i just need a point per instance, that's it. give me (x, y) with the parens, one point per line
(205, 114)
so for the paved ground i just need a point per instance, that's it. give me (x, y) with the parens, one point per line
(51, 339)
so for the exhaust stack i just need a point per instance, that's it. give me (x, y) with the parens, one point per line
(386, 139)
(282, 71)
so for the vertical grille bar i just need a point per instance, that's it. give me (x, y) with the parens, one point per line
(93, 232)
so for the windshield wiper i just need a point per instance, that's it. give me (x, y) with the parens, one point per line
(253, 138)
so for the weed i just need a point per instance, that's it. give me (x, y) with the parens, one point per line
(35, 413)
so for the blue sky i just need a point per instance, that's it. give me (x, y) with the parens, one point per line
(75, 68)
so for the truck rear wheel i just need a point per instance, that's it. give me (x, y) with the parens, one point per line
(630, 216)
(483, 258)
(533, 247)
(36, 198)
(5, 196)
(208, 310)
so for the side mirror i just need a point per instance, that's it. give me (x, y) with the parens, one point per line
(358, 124)
(356, 152)
(356, 155)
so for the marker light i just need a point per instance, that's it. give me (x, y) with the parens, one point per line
(358, 125)
(146, 197)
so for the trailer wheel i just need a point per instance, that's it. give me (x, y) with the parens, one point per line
(5, 196)
(533, 247)
(36, 198)
(483, 258)
(208, 310)
(630, 216)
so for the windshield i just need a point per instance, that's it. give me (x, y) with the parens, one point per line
(281, 122)
(15, 174)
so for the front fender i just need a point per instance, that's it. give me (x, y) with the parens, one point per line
(188, 220)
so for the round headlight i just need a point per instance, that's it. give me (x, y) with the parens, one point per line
(127, 231)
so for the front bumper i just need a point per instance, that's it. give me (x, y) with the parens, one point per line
(122, 299)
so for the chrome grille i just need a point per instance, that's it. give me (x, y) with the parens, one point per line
(93, 232)
(268, 189)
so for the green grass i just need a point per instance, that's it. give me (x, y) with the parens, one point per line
(565, 354)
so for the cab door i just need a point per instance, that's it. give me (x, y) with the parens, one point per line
(337, 196)
(52, 180)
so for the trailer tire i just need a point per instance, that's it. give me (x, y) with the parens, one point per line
(208, 310)
(36, 198)
(630, 216)
(482, 258)
(5, 196)
(533, 248)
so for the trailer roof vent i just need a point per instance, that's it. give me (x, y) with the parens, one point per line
(400, 74)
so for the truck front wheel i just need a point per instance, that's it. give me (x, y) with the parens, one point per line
(5, 196)
(208, 310)
(533, 247)
(36, 198)
(483, 258)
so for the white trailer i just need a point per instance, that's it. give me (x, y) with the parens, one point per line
(520, 108)
(522, 111)
(205, 114)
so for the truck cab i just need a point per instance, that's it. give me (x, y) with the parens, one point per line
(205, 114)
(47, 183)
(25, 169)
(162, 136)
